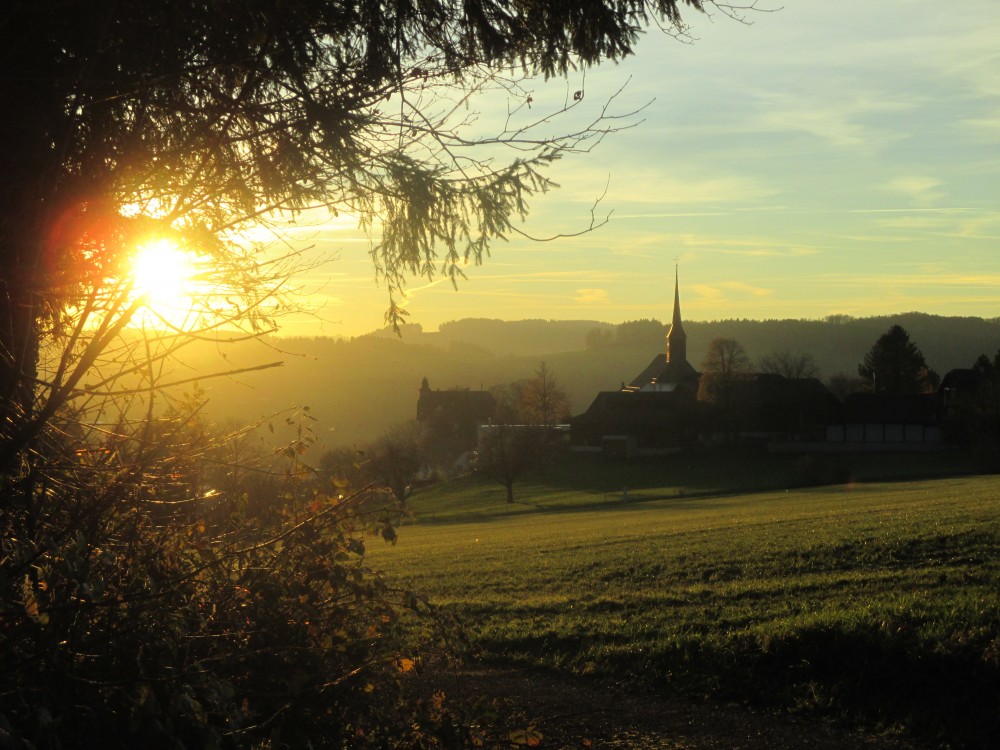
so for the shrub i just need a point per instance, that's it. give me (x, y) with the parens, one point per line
(137, 610)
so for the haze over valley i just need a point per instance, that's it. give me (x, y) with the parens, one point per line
(358, 388)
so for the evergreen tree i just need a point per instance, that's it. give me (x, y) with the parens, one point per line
(895, 365)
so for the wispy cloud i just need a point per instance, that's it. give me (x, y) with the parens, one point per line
(772, 252)
(844, 121)
(939, 209)
(921, 189)
(984, 129)
(673, 191)
(751, 247)
(729, 289)
(410, 293)
(592, 297)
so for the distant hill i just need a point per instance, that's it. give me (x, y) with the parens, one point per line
(518, 337)
(358, 388)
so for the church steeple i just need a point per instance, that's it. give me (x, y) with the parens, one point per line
(676, 338)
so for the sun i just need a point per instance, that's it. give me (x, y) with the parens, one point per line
(162, 275)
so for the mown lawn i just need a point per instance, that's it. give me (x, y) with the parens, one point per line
(871, 602)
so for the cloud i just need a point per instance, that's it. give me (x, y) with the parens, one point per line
(726, 290)
(843, 121)
(744, 288)
(918, 188)
(747, 247)
(407, 295)
(924, 222)
(592, 297)
(771, 252)
(761, 248)
(985, 129)
(666, 190)
(641, 188)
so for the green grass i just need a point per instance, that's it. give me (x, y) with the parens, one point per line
(878, 602)
(576, 481)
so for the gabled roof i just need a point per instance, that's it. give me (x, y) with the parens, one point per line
(628, 411)
(472, 405)
(653, 369)
(787, 403)
(963, 379)
(661, 371)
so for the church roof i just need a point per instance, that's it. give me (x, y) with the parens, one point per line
(623, 411)
(661, 371)
(653, 369)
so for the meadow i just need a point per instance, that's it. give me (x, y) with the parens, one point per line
(873, 603)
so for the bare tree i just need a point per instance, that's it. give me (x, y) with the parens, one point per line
(788, 364)
(508, 447)
(396, 459)
(725, 357)
(542, 400)
(725, 367)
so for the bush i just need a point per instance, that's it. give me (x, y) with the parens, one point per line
(136, 612)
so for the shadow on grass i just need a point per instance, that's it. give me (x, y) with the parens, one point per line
(574, 482)
(881, 678)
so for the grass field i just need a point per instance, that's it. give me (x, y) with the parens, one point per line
(869, 602)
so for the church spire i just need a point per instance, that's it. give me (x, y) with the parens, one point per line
(676, 338)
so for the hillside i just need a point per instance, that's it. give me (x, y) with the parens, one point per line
(359, 388)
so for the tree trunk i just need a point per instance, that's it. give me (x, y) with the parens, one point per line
(510, 492)
(18, 357)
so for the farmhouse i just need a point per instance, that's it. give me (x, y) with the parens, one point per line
(887, 422)
(451, 418)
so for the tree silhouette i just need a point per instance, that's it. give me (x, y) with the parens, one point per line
(725, 357)
(542, 400)
(724, 368)
(507, 447)
(396, 459)
(895, 365)
(789, 364)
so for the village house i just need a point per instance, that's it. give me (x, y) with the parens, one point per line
(450, 420)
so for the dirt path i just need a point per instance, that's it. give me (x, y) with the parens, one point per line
(574, 712)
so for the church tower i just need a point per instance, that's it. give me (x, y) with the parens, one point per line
(671, 370)
(676, 338)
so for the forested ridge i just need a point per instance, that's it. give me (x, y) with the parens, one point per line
(357, 388)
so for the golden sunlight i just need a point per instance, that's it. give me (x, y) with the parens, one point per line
(163, 275)
(161, 272)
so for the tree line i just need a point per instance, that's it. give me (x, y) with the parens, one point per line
(894, 366)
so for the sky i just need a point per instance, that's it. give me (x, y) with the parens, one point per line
(821, 159)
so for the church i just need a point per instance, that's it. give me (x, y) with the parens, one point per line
(657, 412)
(671, 371)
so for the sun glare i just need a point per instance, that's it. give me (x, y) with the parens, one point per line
(162, 273)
